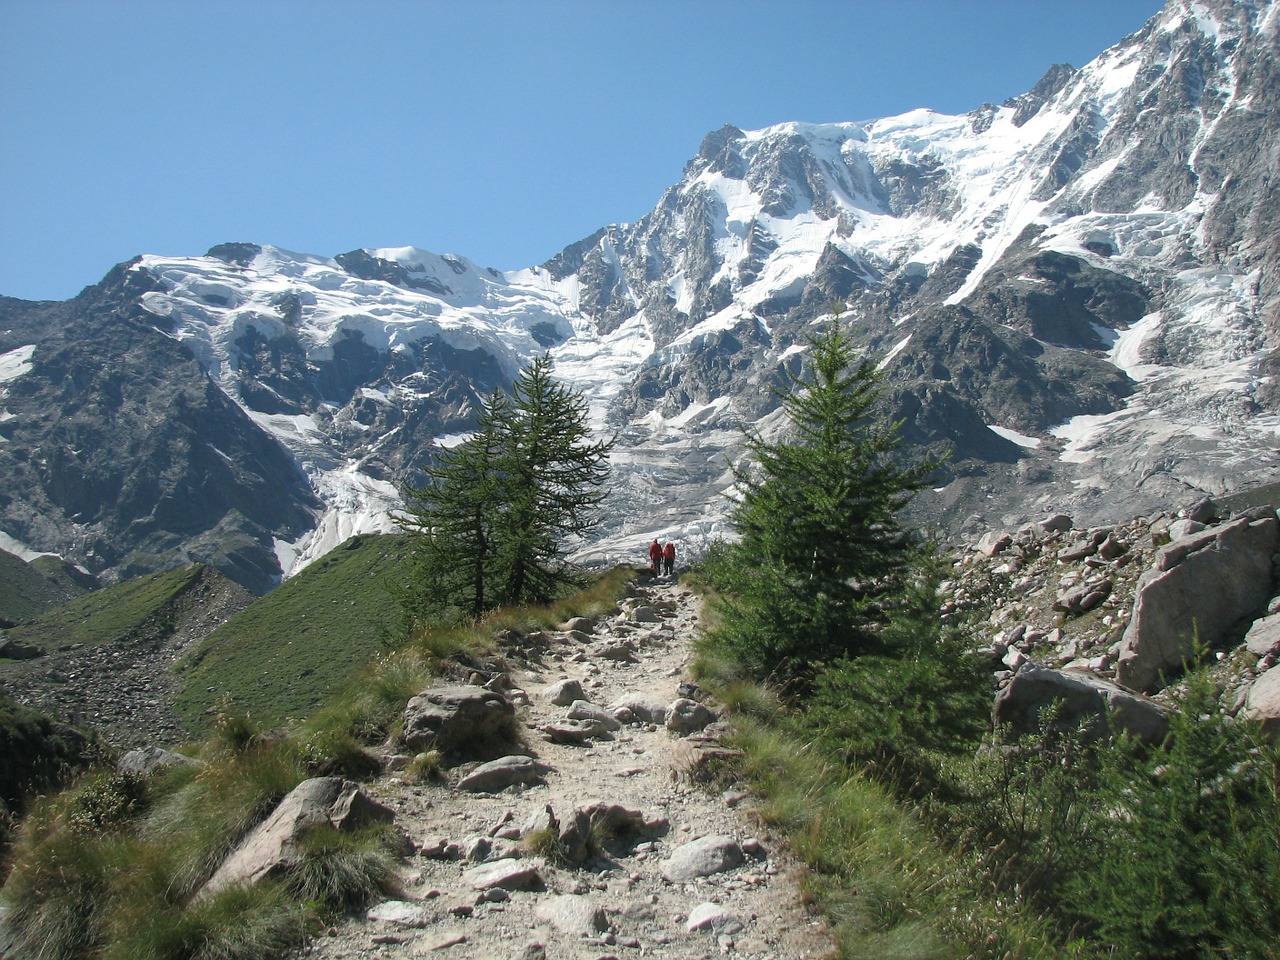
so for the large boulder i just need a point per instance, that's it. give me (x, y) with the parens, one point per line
(1204, 585)
(457, 719)
(274, 845)
(1086, 700)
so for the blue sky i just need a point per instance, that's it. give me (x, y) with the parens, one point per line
(501, 130)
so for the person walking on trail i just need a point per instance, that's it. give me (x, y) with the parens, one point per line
(669, 557)
(655, 557)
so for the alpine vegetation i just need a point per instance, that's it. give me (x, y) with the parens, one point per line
(823, 553)
(497, 511)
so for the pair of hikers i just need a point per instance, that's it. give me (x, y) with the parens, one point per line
(662, 559)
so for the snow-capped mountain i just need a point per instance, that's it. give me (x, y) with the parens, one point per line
(1075, 292)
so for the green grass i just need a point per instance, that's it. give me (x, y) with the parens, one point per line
(26, 591)
(290, 651)
(112, 868)
(108, 614)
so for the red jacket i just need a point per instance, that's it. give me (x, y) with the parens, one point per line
(670, 551)
(655, 550)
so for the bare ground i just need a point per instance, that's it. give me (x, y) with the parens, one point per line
(630, 909)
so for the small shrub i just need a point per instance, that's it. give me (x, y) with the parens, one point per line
(425, 766)
(543, 843)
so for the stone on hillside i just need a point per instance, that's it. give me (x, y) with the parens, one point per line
(1205, 584)
(1084, 698)
(1202, 511)
(1086, 546)
(355, 809)
(572, 915)
(273, 845)
(645, 614)
(715, 919)
(994, 542)
(645, 709)
(401, 913)
(583, 624)
(585, 710)
(1264, 636)
(686, 716)
(455, 719)
(1058, 523)
(564, 692)
(1263, 702)
(1183, 528)
(702, 858)
(1112, 548)
(575, 731)
(147, 760)
(13, 650)
(578, 636)
(1084, 597)
(508, 874)
(499, 774)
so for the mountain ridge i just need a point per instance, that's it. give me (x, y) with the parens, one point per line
(1073, 292)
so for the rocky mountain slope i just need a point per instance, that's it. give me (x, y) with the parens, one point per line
(1074, 292)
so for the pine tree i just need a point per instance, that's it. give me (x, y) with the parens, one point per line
(455, 516)
(823, 552)
(557, 482)
(496, 512)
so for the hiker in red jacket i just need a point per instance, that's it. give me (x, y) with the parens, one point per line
(669, 557)
(655, 557)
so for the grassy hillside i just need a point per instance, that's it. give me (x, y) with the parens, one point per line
(293, 649)
(106, 614)
(26, 591)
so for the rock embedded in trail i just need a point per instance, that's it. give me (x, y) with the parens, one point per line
(642, 708)
(585, 710)
(702, 858)
(686, 716)
(508, 874)
(499, 774)
(564, 692)
(575, 731)
(573, 914)
(715, 919)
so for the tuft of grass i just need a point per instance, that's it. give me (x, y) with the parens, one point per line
(543, 843)
(425, 766)
(340, 872)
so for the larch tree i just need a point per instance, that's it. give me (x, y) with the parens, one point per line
(496, 513)
(822, 551)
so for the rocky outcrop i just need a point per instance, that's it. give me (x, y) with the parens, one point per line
(1200, 588)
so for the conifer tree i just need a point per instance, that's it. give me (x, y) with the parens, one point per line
(557, 477)
(498, 510)
(455, 516)
(823, 552)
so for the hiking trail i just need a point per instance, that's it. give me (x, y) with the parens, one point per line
(617, 903)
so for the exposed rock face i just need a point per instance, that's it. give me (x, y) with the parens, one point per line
(1202, 585)
(273, 846)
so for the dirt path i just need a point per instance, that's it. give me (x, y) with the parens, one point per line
(619, 905)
